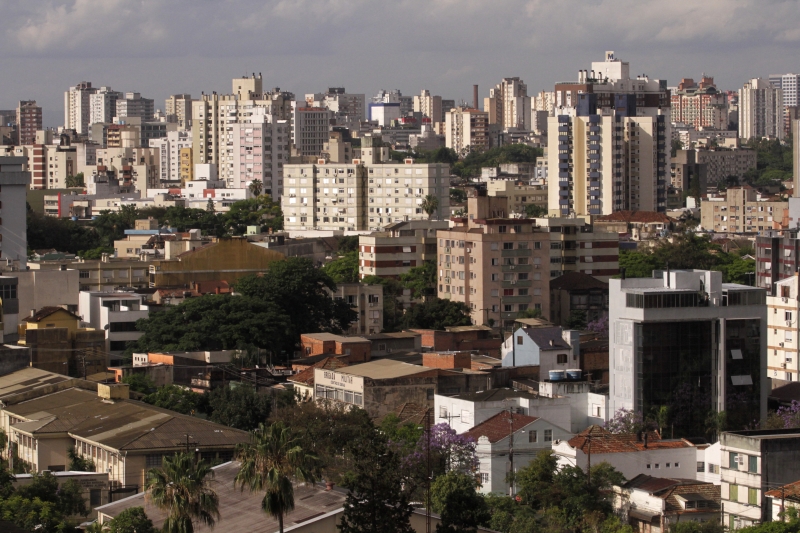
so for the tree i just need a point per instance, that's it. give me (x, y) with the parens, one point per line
(299, 290)
(139, 383)
(239, 407)
(376, 501)
(535, 211)
(6, 481)
(347, 244)
(392, 307)
(676, 145)
(214, 322)
(75, 181)
(430, 204)
(343, 269)
(437, 313)
(625, 421)
(78, 463)
(255, 187)
(531, 312)
(421, 280)
(43, 506)
(453, 496)
(175, 398)
(458, 196)
(131, 520)
(577, 319)
(707, 526)
(270, 462)
(262, 212)
(181, 488)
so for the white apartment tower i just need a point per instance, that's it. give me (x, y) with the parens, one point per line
(430, 106)
(760, 110)
(508, 105)
(77, 107)
(466, 129)
(103, 106)
(169, 156)
(178, 109)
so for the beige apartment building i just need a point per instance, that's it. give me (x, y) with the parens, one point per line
(783, 333)
(721, 163)
(518, 193)
(509, 105)
(497, 265)
(576, 246)
(430, 106)
(399, 247)
(101, 274)
(466, 129)
(178, 109)
(362, 195)
(739, 211)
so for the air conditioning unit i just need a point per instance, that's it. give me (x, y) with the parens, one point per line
(788, 322)
(780, 344)
(783, 365)
(513, 282)
(784, 299)
(536, 266)
(447, 250)
(511, 267)
(469, 250)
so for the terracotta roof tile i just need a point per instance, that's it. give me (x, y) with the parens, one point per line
(45, 312)
(307, 376)
(603, 441)
(498, 427)
(790, 491)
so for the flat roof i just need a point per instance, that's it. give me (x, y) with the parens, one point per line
(28, 379)
(334, 337)
(385, 369)
(494, 395)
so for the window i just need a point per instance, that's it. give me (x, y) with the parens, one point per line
(752, 464)
(658, 465)
(713, 469)
(733, 461)
(733, 494)
(548, 435)
(561, 359)
(95, 497)
(532, 436)
(83, 274)
(508, 246)
(153, 461)
(701, 466)
(648, 466)
(677, 465)
(519, 339)
(484, 478)
(752, 496)
(667, 465)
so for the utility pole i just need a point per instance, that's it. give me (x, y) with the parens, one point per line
(589, 461)
(188, 442)
(511, 445)
(428, 415)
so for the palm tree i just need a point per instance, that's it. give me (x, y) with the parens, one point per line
(181, 489)
(430, 204)
(255, 187)
(270, 462)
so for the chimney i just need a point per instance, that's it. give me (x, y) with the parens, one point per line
(475, 97)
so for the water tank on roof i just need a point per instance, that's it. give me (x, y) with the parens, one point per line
(557, 375)
(574, 374)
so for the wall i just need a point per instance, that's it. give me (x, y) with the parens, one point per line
(13, 358)
(53, 452)
(45, 288)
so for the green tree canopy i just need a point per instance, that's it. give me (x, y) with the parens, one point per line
(240, 407)
(437, 313)
(421, 280)
(131, 520)
(343, 269)
(176, 399)
(139, 383)
(453, 496)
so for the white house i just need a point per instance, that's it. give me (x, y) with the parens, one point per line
(494, 438)
(630, 454)
(114, 312)
(587, 408)
(652, 504)
(709, 458)
(783, 498)
(549, 348)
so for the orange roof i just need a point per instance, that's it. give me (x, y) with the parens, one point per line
(306, 377)
(603, 441)
(499, 427)
(790, 491)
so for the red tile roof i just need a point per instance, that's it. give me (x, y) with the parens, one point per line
(498, 427)
(603, 441)
(45, 312)
(790, 491)
(635, 216)
(306, 377)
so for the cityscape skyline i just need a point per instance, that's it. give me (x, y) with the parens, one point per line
(307, 47)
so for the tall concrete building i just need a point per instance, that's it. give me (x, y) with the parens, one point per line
(340, 102)
(169, 156)
(608, 142)
(77, 107)
(700, 105)
(178, 109)
(466, 129)
(685, 340)
(429, 106)
(398, 247)
(133, 105)
(312, 127)
(361, 196)
(509, 105)
(260, 149)
(103, 105)
(248, 87)
(14, 182)
(760, 110)
(788, 84)
(29, 121)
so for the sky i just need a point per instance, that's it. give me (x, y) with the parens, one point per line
(163, 47)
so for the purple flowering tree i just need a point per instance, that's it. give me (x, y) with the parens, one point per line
(625, 421)
(786, 417)
(598, 326)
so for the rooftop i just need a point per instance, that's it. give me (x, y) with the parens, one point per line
(306, 377)
(790, 491)
(572, 281)
(385, 369)
(499, 427)
(240, 510)
(603, 441)
(45, 312)
(547, 338)
(494, 395)
(645, 217)
(334, 337)
(28, 379)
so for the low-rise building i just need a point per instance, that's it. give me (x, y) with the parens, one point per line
(577, 292)
(631, 454)
(495, 436)
(549, 348)
(636, 225)
(783, 498)
(656, 503)
(461, 338)
(114, 313)
(398, 248)
(740, 211)
(355, 349)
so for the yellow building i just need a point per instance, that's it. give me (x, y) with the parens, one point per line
(186, 165)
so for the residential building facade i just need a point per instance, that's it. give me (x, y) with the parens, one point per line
(77, 107)
(760, 110)
(466, 129)
(14, 182)
(398, 248)
(783, 317)
(29, 121)
(739, 211)
(509, 105)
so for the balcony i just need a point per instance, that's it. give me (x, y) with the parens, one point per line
(516, 299)
(517, 284)
(516, 253)
(516, 268)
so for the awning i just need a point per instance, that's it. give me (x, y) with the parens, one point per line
(641, 514)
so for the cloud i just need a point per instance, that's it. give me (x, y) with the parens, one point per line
(164, 46)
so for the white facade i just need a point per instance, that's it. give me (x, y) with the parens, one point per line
(783, 318)
(169, 158)
(340, 103)
(508, 105)
(428, 105)
(115, 313)
(465, 411)
(77, 107)
(260, 149)
(709, 458)
(760, 110)
(103, 105)
(521, 349)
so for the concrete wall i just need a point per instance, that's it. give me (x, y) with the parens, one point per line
(53, 453)
(13, 358)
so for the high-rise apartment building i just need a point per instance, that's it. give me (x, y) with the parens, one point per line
(760, 110)
(398, 247)
(700, 104)
(260, 149)
(429, 105)
(341, 103)
(14, 181)
(169, 156)
(178, 109)
(77, 107)
(362, 195)
(788, 84)
(312, 126)
(498, 266)
(508, 105)
(103, 105)
(608, 142)
(395, 97)
(29, 121)
(783, 316)
(466, 129)
(133, 105)
(685, 340)
(248, 87)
